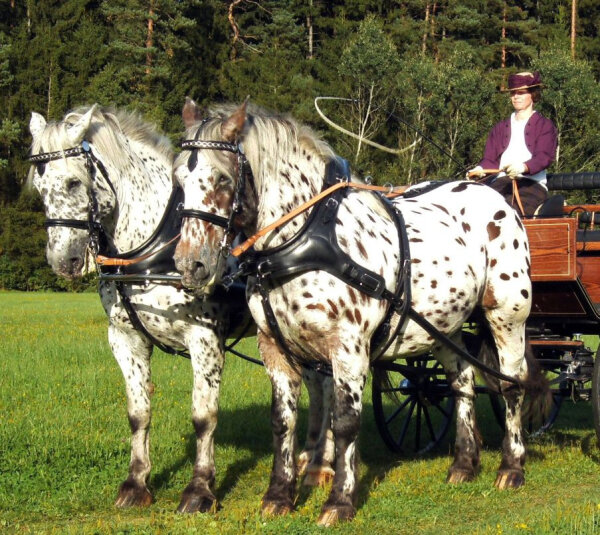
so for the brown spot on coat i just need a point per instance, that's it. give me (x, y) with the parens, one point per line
(489, 299)
(493, 230)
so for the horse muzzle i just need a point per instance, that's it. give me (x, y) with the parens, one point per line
(197, 270)
(68, 262)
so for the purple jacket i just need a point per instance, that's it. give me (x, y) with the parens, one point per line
(540, 138)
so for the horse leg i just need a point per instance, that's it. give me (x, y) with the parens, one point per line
(132, 352)
(350, 375)
(286, 382)
(207, 366)
(461, 378)
(510, 343)
(316, 459)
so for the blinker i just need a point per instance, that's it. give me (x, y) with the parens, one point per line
(193, 160)
(41, 168)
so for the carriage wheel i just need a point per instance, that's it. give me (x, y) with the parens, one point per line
(413, 404)
(536, 424)
(596, 394)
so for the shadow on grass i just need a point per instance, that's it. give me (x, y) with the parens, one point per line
(248, 431)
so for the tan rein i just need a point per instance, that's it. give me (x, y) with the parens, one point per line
(516, 196)
(391, 193)
(108, 261)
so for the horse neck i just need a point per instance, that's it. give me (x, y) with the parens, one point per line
(283, 185)
(143, 191)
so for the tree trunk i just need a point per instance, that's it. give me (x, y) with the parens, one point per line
(573, 26)
(503, 59)
(426, 30)
(234, 27)
(150, 38)
(309, 26)
(50, 74)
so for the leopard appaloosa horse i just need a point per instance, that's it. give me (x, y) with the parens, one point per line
(326, 279)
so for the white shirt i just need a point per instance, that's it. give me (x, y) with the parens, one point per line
(517, 150)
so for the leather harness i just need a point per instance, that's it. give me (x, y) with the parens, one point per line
(315, 248)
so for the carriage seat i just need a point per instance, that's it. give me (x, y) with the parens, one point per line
(589, 218)
(551, 207)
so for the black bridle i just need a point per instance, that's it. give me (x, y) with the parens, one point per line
(243, 167)
(92, 163)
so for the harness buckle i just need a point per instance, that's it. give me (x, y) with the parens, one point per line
(330, 209)
(263, 268)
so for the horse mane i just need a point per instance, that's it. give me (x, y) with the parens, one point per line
(267, 137)
(103, 133)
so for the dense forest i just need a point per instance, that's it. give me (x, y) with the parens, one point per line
(421, 77)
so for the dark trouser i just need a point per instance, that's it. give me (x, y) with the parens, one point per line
(532, 193)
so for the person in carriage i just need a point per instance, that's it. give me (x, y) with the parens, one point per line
(520, 148)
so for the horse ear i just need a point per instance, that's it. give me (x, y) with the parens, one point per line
(77, 132)
(191, 113)
(36, 124)
(233, 126)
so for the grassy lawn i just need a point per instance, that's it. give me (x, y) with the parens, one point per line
(64, 448)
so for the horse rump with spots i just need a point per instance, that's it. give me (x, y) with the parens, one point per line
(355, 278)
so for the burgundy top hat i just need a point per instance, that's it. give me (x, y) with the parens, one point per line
(523, 80)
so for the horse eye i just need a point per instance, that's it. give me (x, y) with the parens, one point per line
(41, 168)
(73, 184)
(223, 181)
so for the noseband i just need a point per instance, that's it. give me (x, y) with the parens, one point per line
(92, 163)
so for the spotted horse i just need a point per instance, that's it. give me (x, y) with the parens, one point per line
(105, 177)
(356, 278)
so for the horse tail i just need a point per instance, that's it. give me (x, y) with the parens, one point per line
(535, 383)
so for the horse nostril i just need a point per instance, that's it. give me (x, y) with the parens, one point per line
(199, 268)
(75, 264)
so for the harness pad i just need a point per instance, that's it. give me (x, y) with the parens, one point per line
(315, 246)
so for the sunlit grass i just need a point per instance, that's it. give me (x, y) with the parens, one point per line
(64, 448)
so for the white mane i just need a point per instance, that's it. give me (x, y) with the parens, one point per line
(104, 132)
(268, 137)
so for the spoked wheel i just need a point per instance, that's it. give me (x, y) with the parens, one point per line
(413, 404)
(596, 394)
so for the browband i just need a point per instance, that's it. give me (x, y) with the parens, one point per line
(44, 157)
(212, 145)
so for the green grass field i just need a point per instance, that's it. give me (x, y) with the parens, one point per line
(64, 448)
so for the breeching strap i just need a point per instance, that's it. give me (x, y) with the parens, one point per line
(391, 193)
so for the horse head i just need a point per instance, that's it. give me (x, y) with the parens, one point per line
(60, 173)
(98, 170)
(209, 170)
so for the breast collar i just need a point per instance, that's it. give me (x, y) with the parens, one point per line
(162, 261)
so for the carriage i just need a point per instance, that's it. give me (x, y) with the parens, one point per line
(564, 242)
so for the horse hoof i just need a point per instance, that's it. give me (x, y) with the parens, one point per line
(133, 495)
(198, 504)
(456, 476)
(276, 508)
(509, 479)
(320, 476)
(332, 515)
